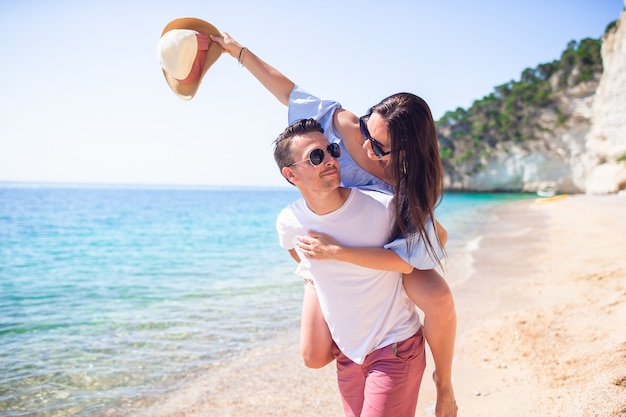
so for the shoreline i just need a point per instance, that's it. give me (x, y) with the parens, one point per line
(540, 329)
(541, 321)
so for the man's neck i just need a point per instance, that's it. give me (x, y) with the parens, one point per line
(324, 202)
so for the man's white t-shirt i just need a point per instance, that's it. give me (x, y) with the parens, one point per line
(365, 309)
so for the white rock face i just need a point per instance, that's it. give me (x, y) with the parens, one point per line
(580, 150)
(605, 159)
(553, 159)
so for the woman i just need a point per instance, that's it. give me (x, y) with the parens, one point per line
(400, 141)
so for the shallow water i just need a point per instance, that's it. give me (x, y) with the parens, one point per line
(109, 295)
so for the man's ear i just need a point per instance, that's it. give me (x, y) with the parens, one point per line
(288, 174)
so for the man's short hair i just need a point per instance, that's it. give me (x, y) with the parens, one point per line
(283, 154)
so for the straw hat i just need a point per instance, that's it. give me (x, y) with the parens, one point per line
(186, 53)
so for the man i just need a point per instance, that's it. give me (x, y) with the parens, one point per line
(377, 334)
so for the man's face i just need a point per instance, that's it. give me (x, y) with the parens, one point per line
(305, 175)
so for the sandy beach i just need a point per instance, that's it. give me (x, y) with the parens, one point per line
(542, 328)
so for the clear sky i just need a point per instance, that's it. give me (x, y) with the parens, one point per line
(84, 100)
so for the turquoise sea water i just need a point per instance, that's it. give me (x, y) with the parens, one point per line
(109, 294)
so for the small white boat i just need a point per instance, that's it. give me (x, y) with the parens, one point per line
(546, 192)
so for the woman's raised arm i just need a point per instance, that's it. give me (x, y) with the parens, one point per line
(272, 79)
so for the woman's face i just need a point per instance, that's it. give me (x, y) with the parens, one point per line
(377, 142)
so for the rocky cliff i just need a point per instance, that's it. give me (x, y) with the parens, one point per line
(605, 157)
(575, 144)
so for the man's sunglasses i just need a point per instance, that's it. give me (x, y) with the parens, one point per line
(316, 156)
(376, 145)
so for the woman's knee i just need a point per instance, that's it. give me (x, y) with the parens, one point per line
(430, 292)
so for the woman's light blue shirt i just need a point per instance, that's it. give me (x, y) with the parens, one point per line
(303, 105)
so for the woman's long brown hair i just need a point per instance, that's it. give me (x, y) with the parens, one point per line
(415, 165)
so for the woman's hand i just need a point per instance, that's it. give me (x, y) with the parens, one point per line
(229, 45)
(318, 246)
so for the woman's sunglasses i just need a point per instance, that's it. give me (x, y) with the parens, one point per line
(316, 156)
(377, 147)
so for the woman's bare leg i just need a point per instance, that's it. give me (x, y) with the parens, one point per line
(430, 292)
(315, 340)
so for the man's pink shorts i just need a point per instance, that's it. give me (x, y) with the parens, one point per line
(387, 383)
